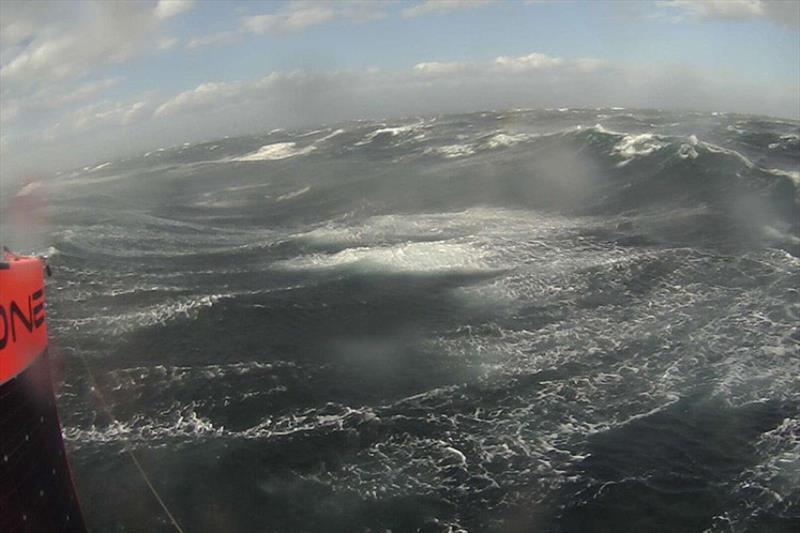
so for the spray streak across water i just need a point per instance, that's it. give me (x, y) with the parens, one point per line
(483, 322)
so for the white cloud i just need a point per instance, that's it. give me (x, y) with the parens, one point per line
(784, 12)
(43, 60)
(167, 43)
(22, 20)
(504, 65)
(104, 119)
(9, 111)
(107, 114)
(51, 57)
(49, 42)
(529, 62)
(362, 10)
(224, 37)
(436, 68)
(293, 99)
(431, 7)
(51, 97)
(297, 16)
(169, 8)
(83, 91)
(534, 79)
(206, 94)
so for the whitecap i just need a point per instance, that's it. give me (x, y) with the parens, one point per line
(451, 151)
(688, 150)
(392, 131)
(632, 146)
(293, 194)
(423, 257)
(29, 189)
(785, 142)
(158, 315)
(329, 136)
(504, 140)
(276, 151)
(793, 175)
(182, 425)
(780, 236)
(99, 167)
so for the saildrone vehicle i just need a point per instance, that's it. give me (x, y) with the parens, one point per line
(36, 488)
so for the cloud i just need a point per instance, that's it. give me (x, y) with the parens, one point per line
(300, 98)
(51, 97)
(220, 38)
(167, 43)
(169, 8)
(529, 62)
(58, 105)
(436, 68)
(206, 94)
(295, 16)
(104, 117)
(285, 91)
(782, 12)
(505, 65)
(21, 20)
(437, 7)
(52, 54)
(83, 91)
(49, 42)
(109, 114)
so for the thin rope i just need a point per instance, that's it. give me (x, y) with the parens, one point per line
(128, 450)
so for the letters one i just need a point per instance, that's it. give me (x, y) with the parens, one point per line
(14, 316)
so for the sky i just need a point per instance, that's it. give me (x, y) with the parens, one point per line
(84, 81)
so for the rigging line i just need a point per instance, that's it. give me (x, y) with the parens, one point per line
(128, 450)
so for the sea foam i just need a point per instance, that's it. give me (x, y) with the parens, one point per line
(274, 152)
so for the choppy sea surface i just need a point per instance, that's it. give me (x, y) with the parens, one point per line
(529, 320)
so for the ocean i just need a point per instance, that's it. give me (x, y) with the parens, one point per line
(565, 320)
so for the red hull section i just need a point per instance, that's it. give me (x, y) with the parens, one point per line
(36, 490)
(23, 330)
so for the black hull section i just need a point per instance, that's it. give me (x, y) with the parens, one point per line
(36, 489)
